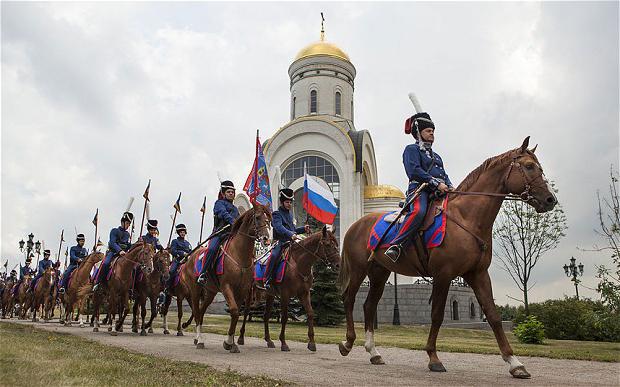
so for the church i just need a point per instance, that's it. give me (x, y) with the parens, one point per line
(321, 136)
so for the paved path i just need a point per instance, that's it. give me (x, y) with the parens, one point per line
(328, 367)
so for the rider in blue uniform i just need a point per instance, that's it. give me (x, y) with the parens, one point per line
(179, 248)
(23, 272)
(117, 245)
(151, 235)
(43, 265)
(77, 254)
(422, 165)
(284, 232)
(224, 215)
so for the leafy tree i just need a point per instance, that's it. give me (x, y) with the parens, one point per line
(522, 236)
(326, 300)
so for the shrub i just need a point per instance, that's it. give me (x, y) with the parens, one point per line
(531, 331)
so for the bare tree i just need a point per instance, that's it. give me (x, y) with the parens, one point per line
(522, 236)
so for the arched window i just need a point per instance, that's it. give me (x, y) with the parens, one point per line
(472, 311)
(455, 310)
(293, 108)
(338, 103)
(313, 101)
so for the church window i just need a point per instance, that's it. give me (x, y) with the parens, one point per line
(318, 71)
(313, 101)
(455, 310)
(338, 103)
(472, 311)
(293, 108)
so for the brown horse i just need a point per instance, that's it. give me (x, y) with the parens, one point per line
(297, 283)
(41, 294)
(236, 281)
(466, 251)
(182, 291)
(23, 298)
(149, 287)
(7, 294)
(80, 277)
(117, 289)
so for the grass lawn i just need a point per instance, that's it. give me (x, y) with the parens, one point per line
(31, 357)
(414, 337)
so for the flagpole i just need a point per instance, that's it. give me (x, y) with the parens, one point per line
(146, 199)
(96, 222)
(176, 206)
(62, 238)
(203, 209)
(304, 195)
(66, 255)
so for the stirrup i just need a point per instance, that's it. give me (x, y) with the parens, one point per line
(202, 279)
(61, 290)
(393, 252)
(261, 285)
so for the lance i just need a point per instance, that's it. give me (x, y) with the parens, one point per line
(62, 239)
(96, 223)
(66, 255)
(146, 200)
(177, 209)
(39, 253)
(203, 209)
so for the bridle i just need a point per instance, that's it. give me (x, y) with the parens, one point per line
(140, 261)
(257, 228)
(324, 257)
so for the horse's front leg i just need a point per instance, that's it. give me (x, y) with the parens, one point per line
(480, 282)
(246, 311)
(284, 318)
(266, 316)
(441, 285)
(143, 316)
(307, 303)
(149, 325)
(233, 309)
(134, 319)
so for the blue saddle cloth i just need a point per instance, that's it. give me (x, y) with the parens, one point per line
(219, 260)
(261, 265)
(433, 236)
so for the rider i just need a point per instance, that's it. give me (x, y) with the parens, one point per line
(422, 165)
(151, 234)
(11, 278)
(224, 215)
(43, 265)
(179, 248)
(118, 245)
(284, 232)
(77, 254)
(23, 272)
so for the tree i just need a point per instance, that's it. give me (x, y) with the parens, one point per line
(522, 236)
(326, 300)
(609, 229)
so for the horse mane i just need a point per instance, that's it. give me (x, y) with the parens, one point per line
(474, 175)
(241, 220)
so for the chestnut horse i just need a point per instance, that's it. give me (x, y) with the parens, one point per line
(466, 250)
(80, 277)
(149, 287)
(22, 297)
(182, 291)
(41, 294)
(117, 288)
(297, 283)
(236, 281)
(7, 294)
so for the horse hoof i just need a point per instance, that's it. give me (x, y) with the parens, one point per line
(377, 360)
(120, 329)
(109, 329)
(436, 367)
(134, 330)
(82, 325)
(113, 333)
(179, 333)
(520, 373)
(95, 329)
(166, 332)
(150, 330)
(270, 344)
(143, 333)
(285, 348)
(241, 341)
(195, 340)
(343, 349)
(227, 346)
(200, 346)
(312, 347)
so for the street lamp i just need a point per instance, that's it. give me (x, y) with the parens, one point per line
(30, 244)
(396, 319)
(573, 270)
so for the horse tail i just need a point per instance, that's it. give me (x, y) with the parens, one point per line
(186, 324)
(344, 277)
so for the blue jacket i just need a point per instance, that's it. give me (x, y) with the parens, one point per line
(43, 265)
(23, 271)
(283, 226)
(418, 168)
(179, 248)
(77, 253)
(224, 212)
(148, 238)
(119, 240)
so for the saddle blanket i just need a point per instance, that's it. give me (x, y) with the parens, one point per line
(94, 272)
(433, 235)
(261, 265)
(202, 259)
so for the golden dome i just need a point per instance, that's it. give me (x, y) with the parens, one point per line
(322, 48)
(382, 191)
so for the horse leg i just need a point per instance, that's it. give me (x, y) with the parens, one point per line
(348, 298)
(233, 310)
(246, 311)
(266, 316)
(377, 276)
(481, 284)
(134, 319)
(441, 285)
(123, 311)
(284, 313)
(95, 316)
(179, 315)
(306, 302)
(153, 314)
(143, 316)
(198, 311)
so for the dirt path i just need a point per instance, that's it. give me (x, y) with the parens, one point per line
(328, 367)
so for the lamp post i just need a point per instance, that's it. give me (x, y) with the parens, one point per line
(29, 245)
(573, 270)
(396, 318)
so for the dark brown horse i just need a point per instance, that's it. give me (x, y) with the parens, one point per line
(5, 301)
(22, 297)
(466, 251)
(149, 287)
(236, 281)
(182, 291)
(80, 277)
(117, 288)
(41, 295)
(297, 283)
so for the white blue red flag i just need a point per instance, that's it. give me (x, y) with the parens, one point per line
(318, 201)
(257, 183)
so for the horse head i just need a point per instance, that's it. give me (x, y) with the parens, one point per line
(526, 178)
(262, 223)
(144, 255)
(328, 247)
(161, 263)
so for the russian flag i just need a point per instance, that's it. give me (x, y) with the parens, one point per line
(318, 201)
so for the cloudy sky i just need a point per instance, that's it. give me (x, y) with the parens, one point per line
(99, 97)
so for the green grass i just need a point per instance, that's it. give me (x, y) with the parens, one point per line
(414, 337)
(31, 357)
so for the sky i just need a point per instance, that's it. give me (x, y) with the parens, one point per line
(97, 98)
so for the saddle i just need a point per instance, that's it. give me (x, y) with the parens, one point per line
(435, 208)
